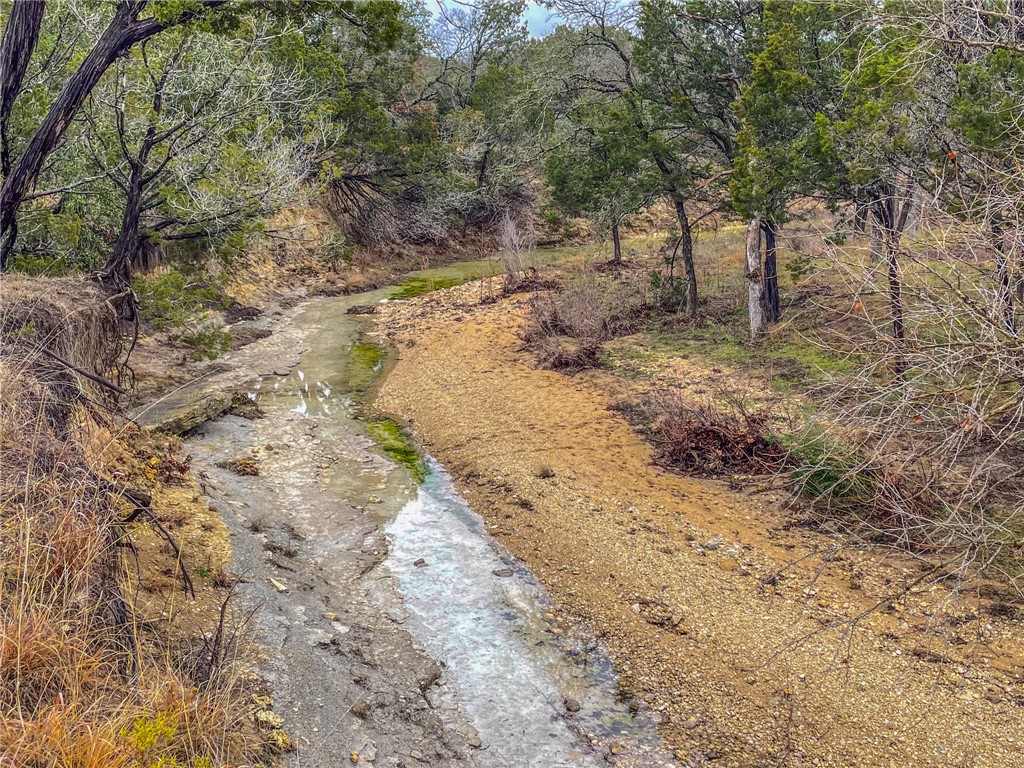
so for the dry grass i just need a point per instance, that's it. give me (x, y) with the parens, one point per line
(84, 682)
(568, 325)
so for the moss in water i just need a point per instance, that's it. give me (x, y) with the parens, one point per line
(417, 286)
(364, 361)
(394, 440)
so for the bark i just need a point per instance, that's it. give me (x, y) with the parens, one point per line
(755, 283)
(123, 31)
(891, 245)
(860, 217)
(20, 37)
(686, 251)
(771, 273)
(616, 245)
(1005, 289)
(875, 249)
(118, 270)
(890, 217)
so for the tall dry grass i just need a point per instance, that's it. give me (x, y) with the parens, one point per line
(83, 682)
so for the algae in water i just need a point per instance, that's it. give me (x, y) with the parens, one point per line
(395, 441)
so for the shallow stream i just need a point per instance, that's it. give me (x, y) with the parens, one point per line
(535, 696)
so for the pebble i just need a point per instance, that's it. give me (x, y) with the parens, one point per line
(571, 704)
(420, 563)
(728, 564)
(503, 572)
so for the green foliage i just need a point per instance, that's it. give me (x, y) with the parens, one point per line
(335, 251)
(208, 340)
(180, 301)
(799, 266)
(175, 297)
(153, 737)
(826, 470)
(600, 167)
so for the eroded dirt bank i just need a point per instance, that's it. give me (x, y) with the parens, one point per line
(732, 624)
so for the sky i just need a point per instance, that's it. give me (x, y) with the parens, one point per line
(539, 20)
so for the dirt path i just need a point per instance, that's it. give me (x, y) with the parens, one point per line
(693, 585)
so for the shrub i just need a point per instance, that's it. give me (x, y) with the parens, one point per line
(174, 298)
(590, 308)
(825, 470)
(181, 302)
(705, 439)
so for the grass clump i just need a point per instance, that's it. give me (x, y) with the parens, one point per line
(827, 471)
(396, 442)
(182, 303)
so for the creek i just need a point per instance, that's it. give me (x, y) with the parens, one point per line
(535, 694)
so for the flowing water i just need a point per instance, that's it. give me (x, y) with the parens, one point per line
(536, 696)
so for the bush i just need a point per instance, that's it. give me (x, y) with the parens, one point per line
(174, 298)
(825, 470)
(181, 302)
(704, 439)
(588, 308)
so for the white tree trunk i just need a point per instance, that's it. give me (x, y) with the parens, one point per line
(755, 283)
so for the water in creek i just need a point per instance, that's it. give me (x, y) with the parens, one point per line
(536, 697)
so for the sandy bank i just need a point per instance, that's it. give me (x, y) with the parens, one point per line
(747, 654)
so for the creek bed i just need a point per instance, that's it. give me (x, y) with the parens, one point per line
(534, 695)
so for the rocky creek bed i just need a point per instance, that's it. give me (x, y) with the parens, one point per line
(394, 630)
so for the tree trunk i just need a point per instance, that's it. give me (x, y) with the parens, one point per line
(771, 273)
(860, 217)
(686, 251)
(616, 245)
(890, 218)
(755, 283)
(20, 37)
(891, 247)
(1003, 280)
(117, 273)
(875, 249)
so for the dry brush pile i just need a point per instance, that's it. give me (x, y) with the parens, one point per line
(84, 679)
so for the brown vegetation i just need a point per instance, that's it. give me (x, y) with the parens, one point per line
(90, 674)
(705, 439)
(568, 325)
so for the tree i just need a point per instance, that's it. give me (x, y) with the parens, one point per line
(781, 153)
(126, 28)
(190, 134)
(598, 169)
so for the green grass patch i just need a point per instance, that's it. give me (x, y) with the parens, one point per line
(826, 469)
(396, 442)
(417, 286)
(790, 362)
